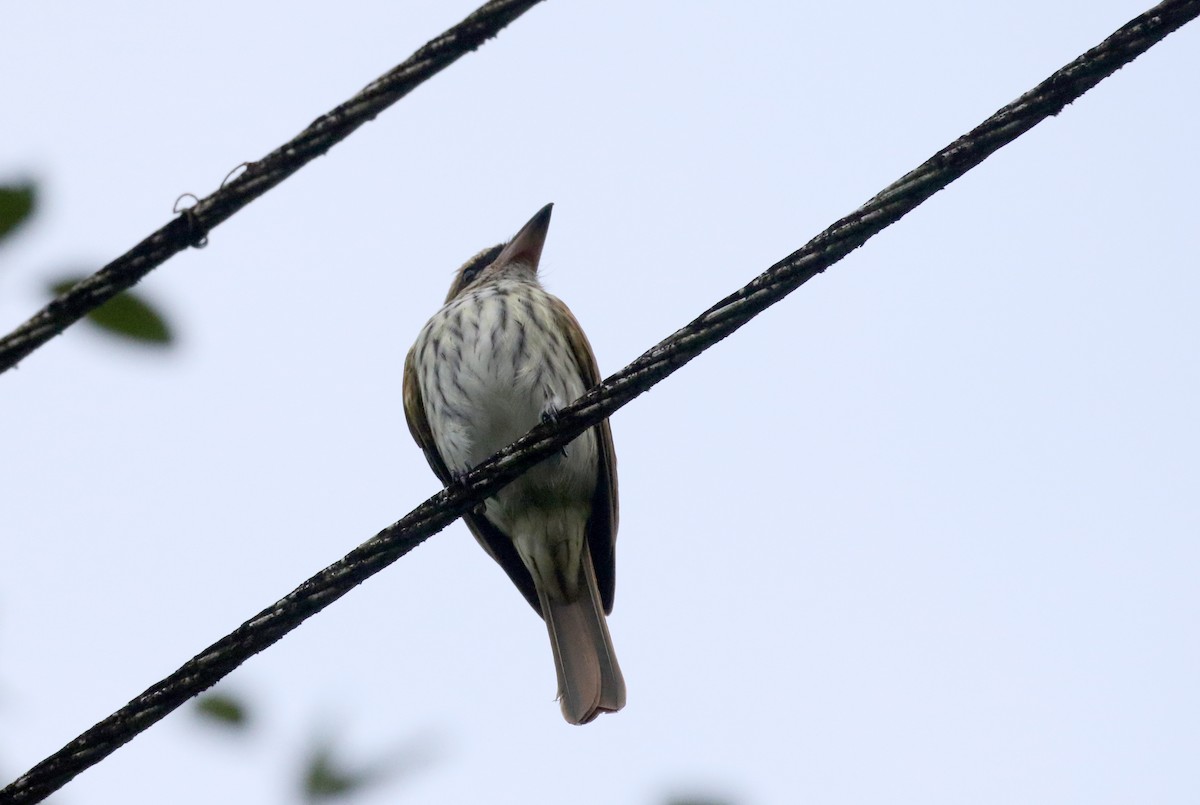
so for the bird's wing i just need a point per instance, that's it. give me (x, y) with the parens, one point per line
(493, 540)
(602, 524)
(418, 423)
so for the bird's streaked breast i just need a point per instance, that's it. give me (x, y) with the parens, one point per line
(491, 362)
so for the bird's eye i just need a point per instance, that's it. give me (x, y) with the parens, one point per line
(478, 263)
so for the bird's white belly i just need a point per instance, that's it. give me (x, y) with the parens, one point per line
(496, 374)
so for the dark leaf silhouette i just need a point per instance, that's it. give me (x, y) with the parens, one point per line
(326, 779)
(125, 315)
(223, 709)
(16, 203)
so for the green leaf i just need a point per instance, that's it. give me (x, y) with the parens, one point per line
(324, 780)
(16, 203)
(222, 708)
(125, 315)
(328, 777)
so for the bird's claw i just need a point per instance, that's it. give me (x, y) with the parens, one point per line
(459, 478)
(549, 417)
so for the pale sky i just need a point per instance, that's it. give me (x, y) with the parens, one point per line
(927, 531)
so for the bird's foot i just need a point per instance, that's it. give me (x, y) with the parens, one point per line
(459, 478)
(549, 417)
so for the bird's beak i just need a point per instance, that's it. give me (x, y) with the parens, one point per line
(526, 245)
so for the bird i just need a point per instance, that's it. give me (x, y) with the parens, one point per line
(500, 356)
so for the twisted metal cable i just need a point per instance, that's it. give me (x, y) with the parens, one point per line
(268, 626)
(192, 226)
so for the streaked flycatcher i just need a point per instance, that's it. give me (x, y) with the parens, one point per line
(499, 357)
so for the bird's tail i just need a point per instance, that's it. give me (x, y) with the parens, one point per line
(589, 679)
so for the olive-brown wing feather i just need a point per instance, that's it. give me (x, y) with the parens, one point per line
(492, 539)
(602, 524)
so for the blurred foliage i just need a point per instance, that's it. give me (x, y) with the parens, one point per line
(224, 709)
(16, 204)
(325, 776)
(125, 315)
(325, 779)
